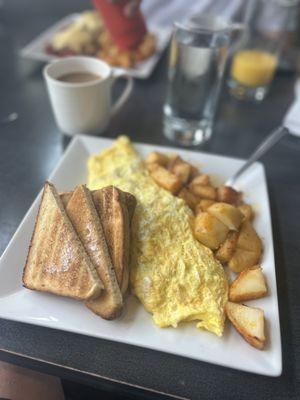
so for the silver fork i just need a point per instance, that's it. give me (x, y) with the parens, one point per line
(265, 146)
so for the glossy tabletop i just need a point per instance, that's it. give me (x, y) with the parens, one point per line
(31, 146)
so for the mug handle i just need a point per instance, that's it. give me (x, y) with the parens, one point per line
(126, 92)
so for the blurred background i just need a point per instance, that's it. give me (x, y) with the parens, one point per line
(219, 80)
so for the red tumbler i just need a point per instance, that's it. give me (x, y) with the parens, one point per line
(126, 32)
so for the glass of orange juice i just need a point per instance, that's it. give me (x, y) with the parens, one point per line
(256, 58)
(252, 71)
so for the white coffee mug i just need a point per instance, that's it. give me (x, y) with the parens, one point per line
(84, 107)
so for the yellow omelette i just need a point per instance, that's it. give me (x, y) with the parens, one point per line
(175, 277)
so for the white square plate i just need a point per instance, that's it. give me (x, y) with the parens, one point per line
(35, 50)
(135, 326)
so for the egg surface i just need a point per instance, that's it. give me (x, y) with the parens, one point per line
(174, 276)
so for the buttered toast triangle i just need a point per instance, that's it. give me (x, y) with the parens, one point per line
(57, 261)
(84, 217)
(115, 209)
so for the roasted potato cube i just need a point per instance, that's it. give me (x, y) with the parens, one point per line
(165, 178)
(242, 259)
(157, 158)
(147, 47)
(227, 194)
(174, 159)
(203, 205)
(209, 230)
(125, 60)
(202, 179)
(180, 168)
(227, 248)
(247, 211)
(248, 249)
(250, 284)
(182, 171)
(194, 172)
(249, 239)
(228, 214)
(151, 166)
(205, 192)
(190, 199)
(249, 322)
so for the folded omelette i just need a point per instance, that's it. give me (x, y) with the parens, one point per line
(175, 277)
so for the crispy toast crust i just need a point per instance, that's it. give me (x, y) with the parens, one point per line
(56, 260)
(84, 217)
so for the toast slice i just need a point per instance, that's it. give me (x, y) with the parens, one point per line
(84, 217)
(112, 206)
(116, 209)
(57, 261)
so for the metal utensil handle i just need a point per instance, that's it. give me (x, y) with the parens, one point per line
(269, 142)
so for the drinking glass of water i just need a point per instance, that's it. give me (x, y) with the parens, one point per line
(197, 59)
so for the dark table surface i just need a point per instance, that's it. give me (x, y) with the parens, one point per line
(30, 148)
